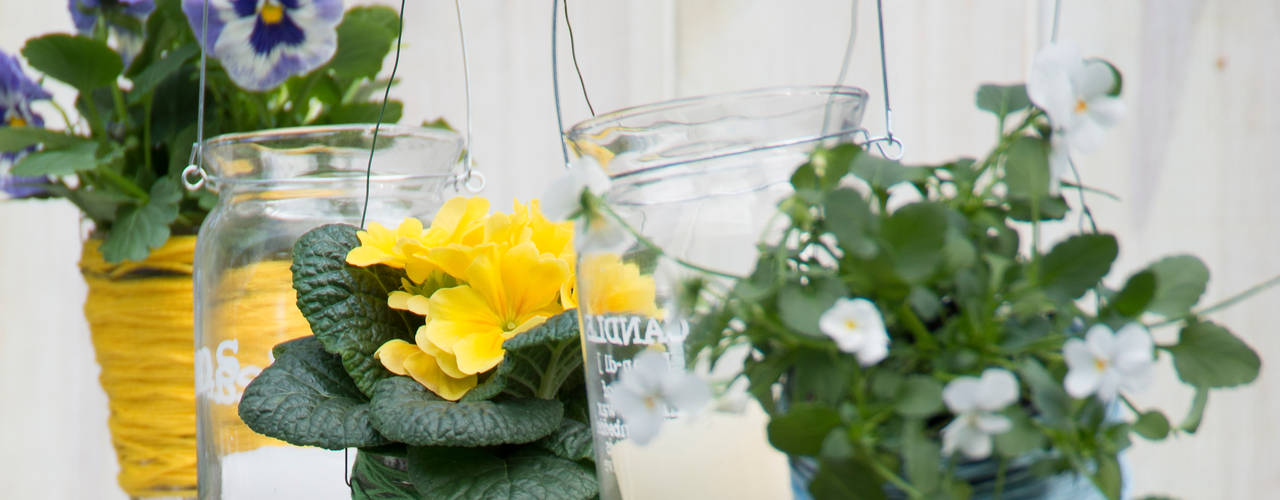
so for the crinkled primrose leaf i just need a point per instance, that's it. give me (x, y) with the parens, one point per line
(306, 398)
(527, 474)
(347, 306)
(405, 411)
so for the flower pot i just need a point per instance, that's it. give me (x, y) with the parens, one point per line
(139, 316)
(701, 179)
(274, 186)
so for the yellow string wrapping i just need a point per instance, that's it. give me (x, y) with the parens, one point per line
(140, 319)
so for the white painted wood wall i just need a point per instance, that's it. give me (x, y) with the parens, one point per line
(1198, 175)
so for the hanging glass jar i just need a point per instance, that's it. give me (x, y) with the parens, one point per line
(701, 178)
(273, 186)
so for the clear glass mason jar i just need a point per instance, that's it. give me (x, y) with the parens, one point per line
(701, 178)
(272, 187)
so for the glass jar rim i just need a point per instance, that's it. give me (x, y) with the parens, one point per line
(594, 126)
(385, 131)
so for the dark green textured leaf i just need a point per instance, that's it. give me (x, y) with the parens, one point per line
(56, 162)
(1180, 281)
(485, 474)
(845, 480)
(138, 230)
(800, 306)
(307, 399)
(364, 38)
(1152, 425)
(545, 357)
(1026, 169)
(1002, 99)
(915, 233)
(802, 429)
(81, 62)
(572, 441)
(558, 328)
(346, 305)
(1136, 294)
(20, 138)
(919, 396)
(1210, 356)
(405, 411)
(1077, 264)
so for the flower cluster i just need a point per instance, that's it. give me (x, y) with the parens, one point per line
(480, 279)
(17, 92)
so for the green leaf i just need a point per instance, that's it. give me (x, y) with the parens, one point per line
(1054, 208)
(881, 173)
(364, 112)
(149, 78)
(545, 357)
(346, 305)
(1180, 281)
(1023, 437)
(1002, 99)
(19, 138)
(1047, 394)
(405, 411)
(138, 230)
(920, 396)
(479, 473)
(831, 165)
(914, 234)
(1136, 294)
(1152, 425)
(802, 429)
(1196, 413)
(922, 456)
(307, 399)
(1108, 478)
(81, 62)
(845, 480)
(572, 441)
(1076, 265)
(57, 162)
(1210, 356)
(364, 39)
(849, 219)
(1026, 169)
(820, 377)
(800, 305)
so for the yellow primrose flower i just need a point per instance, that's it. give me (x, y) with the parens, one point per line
(507, 293)
(380, 245)
(616, 287)
(460, 222)
(403, 358)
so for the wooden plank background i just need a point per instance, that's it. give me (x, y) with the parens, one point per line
(1194, 162)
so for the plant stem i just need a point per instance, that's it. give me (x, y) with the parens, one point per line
(127, 186)
(117, 98)
(649, 244)
(1225, 303)
(146, 132)
(893, 478)
(923, 337)
(547, 387)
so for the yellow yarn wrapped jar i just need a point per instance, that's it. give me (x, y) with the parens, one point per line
(274, 186)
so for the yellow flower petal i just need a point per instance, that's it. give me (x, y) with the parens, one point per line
(364, 256)
(446, 361)
(479, 352)
(456, 313)
(424, 369)
(393, 354)
(530, 281)
(617, 287)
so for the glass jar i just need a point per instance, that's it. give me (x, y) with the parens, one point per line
(273, 186)
(700, 178)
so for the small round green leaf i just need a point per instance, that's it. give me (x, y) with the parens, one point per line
(1180, 281)
(1210, 356)
(1152, 425)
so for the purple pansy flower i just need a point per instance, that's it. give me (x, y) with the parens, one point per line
(263, 42)
(85, 12)
(16, 93)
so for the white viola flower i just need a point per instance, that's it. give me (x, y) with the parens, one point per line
(857, 328)
(975, 402)
(1107, 362)
(1074, 93)
(564, 200)
(263, 42)
(648, 387)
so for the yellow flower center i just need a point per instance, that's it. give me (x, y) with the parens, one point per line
(650, 402)
(272, 13)
(1100, 364)
(1081, 106)
(850, 324)
(17, 121)
(511, 325)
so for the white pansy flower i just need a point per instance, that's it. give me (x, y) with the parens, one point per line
(975, 402)
(857, 328)
(1104, 363)
(1074, 93)
(648, 387)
